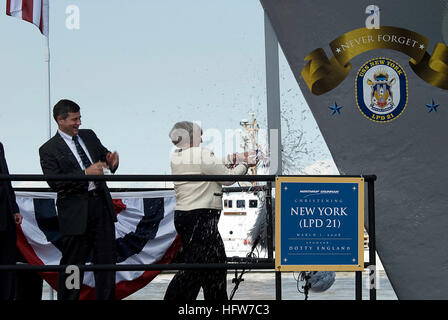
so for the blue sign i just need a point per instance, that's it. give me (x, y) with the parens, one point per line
(320, 225)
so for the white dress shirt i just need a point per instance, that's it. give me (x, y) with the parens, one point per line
(71, 144)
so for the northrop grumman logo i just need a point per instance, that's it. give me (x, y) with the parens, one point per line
(381, 89)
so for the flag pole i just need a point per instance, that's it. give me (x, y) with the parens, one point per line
(46, 14)
(47, 60)
(37, 12)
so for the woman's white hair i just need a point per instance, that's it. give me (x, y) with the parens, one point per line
(182, 133)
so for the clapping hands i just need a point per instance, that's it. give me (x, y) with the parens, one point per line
(112, 159)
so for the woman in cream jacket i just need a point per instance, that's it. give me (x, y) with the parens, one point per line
(197, 212)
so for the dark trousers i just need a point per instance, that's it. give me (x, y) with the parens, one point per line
(97, 243)
(201, 243)
(29, 284)
(7, 256)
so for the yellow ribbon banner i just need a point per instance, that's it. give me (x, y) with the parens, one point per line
(322, 75)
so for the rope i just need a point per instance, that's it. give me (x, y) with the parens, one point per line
(238, 279)
(304, 277)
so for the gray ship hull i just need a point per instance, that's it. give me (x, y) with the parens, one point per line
(409, 154)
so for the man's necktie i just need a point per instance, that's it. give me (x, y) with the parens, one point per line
(85, 160)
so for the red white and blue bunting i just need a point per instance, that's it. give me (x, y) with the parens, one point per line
(144, 233)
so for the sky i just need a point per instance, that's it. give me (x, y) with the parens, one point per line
(137, 69)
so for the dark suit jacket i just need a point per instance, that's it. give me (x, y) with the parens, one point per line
(72, 200)
(8, 205)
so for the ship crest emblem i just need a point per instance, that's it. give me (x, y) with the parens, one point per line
(381, 90)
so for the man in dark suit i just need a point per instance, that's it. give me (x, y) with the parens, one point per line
(9, 218)
(85, 211)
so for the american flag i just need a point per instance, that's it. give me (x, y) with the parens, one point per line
(34, 11)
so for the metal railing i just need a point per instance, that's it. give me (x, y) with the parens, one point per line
(232, 263)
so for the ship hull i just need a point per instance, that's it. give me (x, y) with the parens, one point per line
(408, 155)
